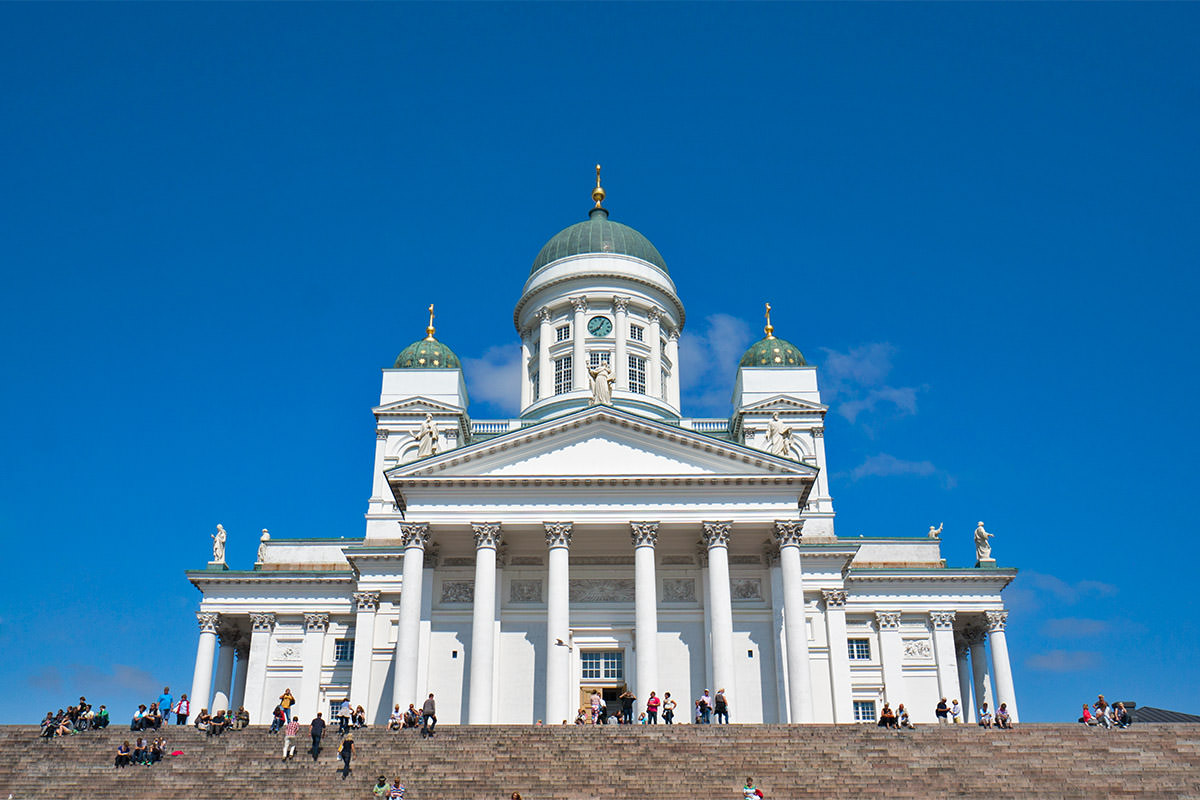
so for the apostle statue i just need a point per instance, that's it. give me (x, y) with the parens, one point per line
(426, 437)
(983, 548)
(219, 545)
(779, 437)
(936, 532)
(602, 379)
(262, 546)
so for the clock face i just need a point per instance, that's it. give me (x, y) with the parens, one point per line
(599, 326)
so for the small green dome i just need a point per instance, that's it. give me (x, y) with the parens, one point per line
(773, 352)
(428, 353)
(598, 234)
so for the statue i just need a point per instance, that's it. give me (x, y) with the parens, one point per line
(262, 546)
(426, 437)
(602, 379)
(779, 437)
(983, 548)
(936, 532)
(219, 545)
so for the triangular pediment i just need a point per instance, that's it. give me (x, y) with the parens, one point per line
(602, 442)
(784, 403)
(415, 405)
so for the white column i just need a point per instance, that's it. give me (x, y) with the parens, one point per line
(673, 356)
(943, 653)
(379, 484)
(312, 653)
(979, 666)
(966, 693)
(821, 500)
(716, 539)
(654, 379)
(579, 379)
(483, 623)
(202, 675)
(223, 683)
(366, 606)
(788, 536)
(545, 373)
(413, 537)
(239, 681)
(839, 656)
(891, 655)
(645, 593)
(558, 622)
(621, 329)
(998, 645)
(526, 385)
(778, 637)
(261, 626)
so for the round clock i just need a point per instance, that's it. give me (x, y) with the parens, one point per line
(599, 326)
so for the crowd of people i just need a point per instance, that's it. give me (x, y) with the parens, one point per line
(1103, 715)
(597, 712)
(946, 714)
(75, 719)
(142, 753)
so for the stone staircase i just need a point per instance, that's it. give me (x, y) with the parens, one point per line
(681, 762)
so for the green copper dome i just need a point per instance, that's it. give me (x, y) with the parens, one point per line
(428, 353)
(773, 352)
(598, 234)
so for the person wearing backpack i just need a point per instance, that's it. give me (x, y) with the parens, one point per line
(346, 751)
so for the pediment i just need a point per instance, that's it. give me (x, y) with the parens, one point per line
(602, 442)
(784, 403)
(415, 405)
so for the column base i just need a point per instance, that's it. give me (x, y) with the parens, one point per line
(985, 563)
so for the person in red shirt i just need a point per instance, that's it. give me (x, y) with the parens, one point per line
(652, 709)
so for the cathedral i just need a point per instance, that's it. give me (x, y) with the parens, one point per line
(601, 541)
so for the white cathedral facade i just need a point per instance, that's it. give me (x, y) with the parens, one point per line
(601, 540)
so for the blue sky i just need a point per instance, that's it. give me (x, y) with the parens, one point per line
(219, 221)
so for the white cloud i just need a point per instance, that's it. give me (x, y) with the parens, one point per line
(1075, 628)
(887, 465)
(495, 378)
(708, 361)
(1064, 661)
(1032, 590)
(854, 382)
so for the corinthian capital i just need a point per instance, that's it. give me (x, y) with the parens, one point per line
(996, 620)
(653, 313)
(366, 601)
(942, 620)
(558, 534)
(545, 315)
(487, 534)
(716, 534)
(262, 622)
(834, 598)
(208, 621)
(414, 534)
(620, 305)
(579, 304)
(788, 532)
(888, 620)
(644, 534)
(316, 623)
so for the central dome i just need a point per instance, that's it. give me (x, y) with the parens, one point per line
(598, 234)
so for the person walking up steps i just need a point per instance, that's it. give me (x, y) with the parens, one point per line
(290, 732)
(346, 751)
(428, 717)
(316, 728)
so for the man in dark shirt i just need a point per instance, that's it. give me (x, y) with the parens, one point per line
(942, 712)
(428, 717)
(316, 727)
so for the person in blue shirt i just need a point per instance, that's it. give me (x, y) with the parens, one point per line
(165, 703)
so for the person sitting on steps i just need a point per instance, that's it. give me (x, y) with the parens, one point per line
(985, 716)
(887, 717)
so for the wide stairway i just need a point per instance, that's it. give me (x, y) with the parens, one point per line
(682, 762)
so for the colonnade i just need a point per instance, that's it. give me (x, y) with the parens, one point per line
(227, 690)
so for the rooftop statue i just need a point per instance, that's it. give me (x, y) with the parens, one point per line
(983, 548)
(936, 532)
(219, 545)
(262, 546)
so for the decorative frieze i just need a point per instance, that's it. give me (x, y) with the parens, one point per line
(746, 589)
(527, 561)
(888, 620)
(788, 532)
(942, 620)
(525, 591)
(287, 652)
(716, 534)
(316, 623)
(414, 534)
(679, 590)
(834, 598)
(366, 601)
(918, 649)
(601, 590)
(458, 591)
(996, 620)
(262, 622)
(678, 560)
(487, 534)
(746, 559)
(458, 561)
(208, 621)
(644, 534)
(558, 534)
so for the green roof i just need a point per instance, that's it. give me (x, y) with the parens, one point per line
(598, 234)
(428, 353)
(773, 352)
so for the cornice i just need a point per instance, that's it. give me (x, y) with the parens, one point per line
(884, 575)
(198, 577)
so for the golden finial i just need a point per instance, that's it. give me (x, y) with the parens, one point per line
(769, 329)
(429, 329)
(598, 192)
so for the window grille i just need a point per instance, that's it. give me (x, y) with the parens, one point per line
(864, 710)
(608, 665)
(637, 333)
(343, 650)
(562, 375)
(637, 374)
(562, 333)
(598, 357)
(859, 649)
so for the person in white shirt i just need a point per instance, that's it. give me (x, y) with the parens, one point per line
(955, 712)
(985, 716)
(397, 720)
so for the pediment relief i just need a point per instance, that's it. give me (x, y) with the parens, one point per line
(412, 406)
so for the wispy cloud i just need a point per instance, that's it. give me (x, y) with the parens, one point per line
(1064, 661)
(708, 359)
(1076, 628)
(886, 465)
(494, 378)
(1032, 590)
(854, 382)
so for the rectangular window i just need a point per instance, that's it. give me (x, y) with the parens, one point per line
(637, 333)
(662, 384)
(608, 665)
(562, 375)
(637, 374)
(343, 649)
(864, 710)
(537, 385)
(598, 357)
(859, 649)
(562, 333)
